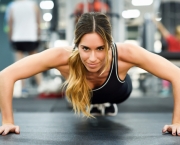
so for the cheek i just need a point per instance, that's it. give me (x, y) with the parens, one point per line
(83, 56)
(102, 56)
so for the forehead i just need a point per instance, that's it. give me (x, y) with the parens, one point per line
(91, 39)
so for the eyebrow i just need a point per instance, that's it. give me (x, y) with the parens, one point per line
(96, 47)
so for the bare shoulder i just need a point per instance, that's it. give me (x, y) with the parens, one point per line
(131, 53)
(34, 64)
(125, 51)
(58, 56)
(149, 61)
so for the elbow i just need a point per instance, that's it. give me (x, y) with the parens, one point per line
(2, 77)
(6, 77)
(174, 77)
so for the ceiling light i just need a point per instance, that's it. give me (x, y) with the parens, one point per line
(142, 2)
(158, 19)
(131, 14)
(47, 17)
(46, 4)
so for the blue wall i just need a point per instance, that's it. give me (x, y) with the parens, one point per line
(6, 53)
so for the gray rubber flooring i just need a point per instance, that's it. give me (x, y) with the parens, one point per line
(141, 104)
(139, 122)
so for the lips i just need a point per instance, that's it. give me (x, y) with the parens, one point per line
(92, 65)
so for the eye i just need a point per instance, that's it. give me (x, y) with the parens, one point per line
(100, 48)
(85, 48)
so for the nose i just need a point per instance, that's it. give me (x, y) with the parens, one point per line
(92, 56)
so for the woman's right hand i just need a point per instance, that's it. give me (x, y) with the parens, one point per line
(7, 128)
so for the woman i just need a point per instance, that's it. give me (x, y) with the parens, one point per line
(93, 68)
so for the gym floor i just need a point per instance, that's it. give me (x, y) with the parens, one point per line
(52, 122)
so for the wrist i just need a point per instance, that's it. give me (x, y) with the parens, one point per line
(7, 123)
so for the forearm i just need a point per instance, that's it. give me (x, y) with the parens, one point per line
(159, 26)
(176, 111)
(165, 33)
(6, 92)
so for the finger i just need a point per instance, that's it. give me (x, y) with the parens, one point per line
(165, 128)
(178, 131)
(1, 130)
(12, 129)
(173, 130)
(17, 130)
(169, 129)
(6, 131)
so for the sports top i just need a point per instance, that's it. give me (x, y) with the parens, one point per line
(114, 90)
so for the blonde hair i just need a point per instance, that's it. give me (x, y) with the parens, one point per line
(177, 30)
(77, 90)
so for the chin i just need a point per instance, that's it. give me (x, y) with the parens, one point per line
(93, 70)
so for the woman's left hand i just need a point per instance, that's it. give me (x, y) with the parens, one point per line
(174, 129)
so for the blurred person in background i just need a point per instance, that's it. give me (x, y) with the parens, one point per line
(173, 41)
(23, 17)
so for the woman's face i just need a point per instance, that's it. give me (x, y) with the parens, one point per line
(92, 52)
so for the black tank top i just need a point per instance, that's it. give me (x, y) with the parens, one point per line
(114, 90)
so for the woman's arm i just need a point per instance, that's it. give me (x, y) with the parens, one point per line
(165, 33)
(25, 68)
(159, 67)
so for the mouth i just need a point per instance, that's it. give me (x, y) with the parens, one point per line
(92, 65)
